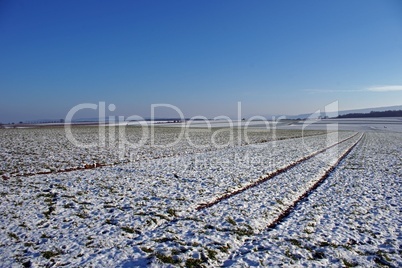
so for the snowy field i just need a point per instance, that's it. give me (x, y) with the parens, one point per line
(29, 151)
(216, 197)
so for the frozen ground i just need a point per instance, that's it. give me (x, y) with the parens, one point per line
(210, 206)
(383, 124)
(45, 150)
(387, 124)
(353, 219)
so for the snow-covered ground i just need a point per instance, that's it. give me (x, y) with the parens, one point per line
(45, 150)
(151, 212)
(383, 124)
(353, 219)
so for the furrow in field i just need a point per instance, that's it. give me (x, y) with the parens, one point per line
(122, 203)
(302, 197)
(130, 203)
(351, 219)
(192, 180)
(218, 230)
(268, 176)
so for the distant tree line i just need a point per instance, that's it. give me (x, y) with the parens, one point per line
(44, 121)
(56, 121)
(393, 113)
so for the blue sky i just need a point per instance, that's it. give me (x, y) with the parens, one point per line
(276, 57)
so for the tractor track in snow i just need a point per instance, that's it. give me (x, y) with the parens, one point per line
(272, 175)
(284, 214)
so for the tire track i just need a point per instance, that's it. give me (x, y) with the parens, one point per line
(328, 172)
(212, 227)
(269, 176)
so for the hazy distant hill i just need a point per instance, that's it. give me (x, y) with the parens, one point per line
(357, 111)
(388, 113)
